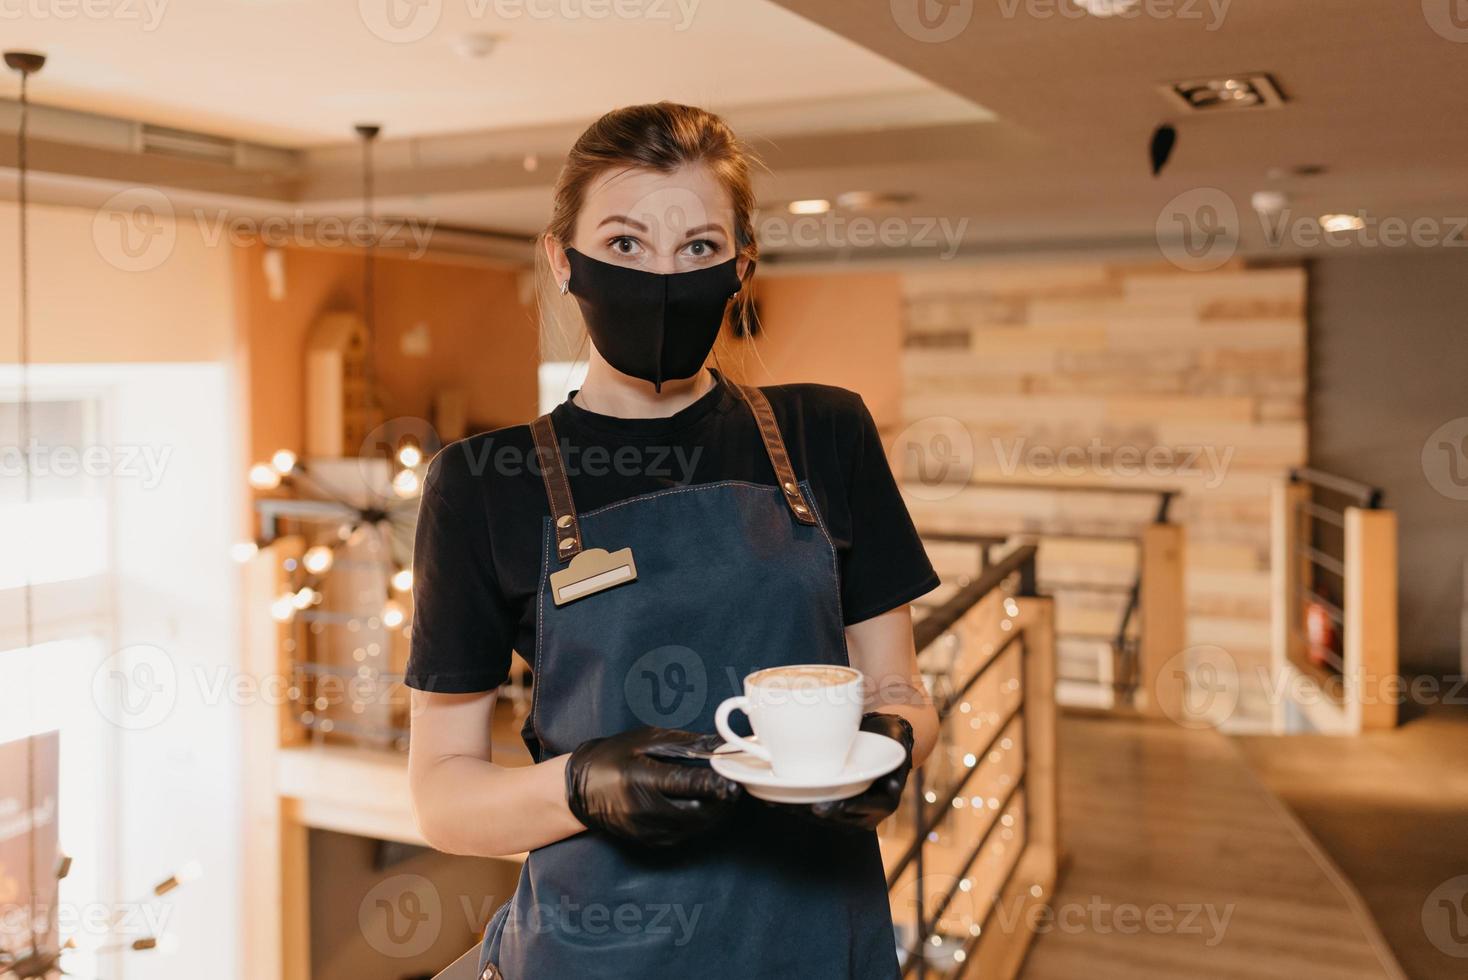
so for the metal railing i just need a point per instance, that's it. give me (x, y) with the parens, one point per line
(1019, 567)
(1123, 641)
(1321, 543)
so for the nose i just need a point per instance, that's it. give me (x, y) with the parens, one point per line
(664, 264)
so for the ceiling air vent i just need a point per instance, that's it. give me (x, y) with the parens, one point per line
(186, 145)
(1253, 91)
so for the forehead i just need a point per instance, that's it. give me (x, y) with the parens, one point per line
(665, 202)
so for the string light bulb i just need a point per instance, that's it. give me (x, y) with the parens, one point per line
(393, 614)
(409, 453)
(283, 461)
(318, 559)
(263, 476)
(402, 580)
(283, 609)
(243, 551)
(405, 483)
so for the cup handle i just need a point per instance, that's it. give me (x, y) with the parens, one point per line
(721, 722)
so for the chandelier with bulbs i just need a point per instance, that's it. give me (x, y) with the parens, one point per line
(345, 602)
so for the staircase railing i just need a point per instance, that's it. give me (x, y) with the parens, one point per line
(981, 836)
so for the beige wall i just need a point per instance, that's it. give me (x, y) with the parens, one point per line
(1011, 362)
(480, 338)
(840, 328)
(105, 291)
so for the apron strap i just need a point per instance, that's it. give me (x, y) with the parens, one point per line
(557, 489)
(769, 432)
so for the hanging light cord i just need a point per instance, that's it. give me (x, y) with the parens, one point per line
(23, 161)
(369, 318)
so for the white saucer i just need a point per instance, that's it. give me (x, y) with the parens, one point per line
(871, 755)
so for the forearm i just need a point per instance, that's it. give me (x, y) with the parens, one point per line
(882, 649)
(918, 709)
(465, 805)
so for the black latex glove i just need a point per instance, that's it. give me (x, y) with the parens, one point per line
(617, 785)
(880, 800)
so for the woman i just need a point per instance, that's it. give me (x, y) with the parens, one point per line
(764, 527)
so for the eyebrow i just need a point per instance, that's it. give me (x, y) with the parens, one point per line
(624, 219)
(612, 218)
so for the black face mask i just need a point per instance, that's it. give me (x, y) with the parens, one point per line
(651, 326)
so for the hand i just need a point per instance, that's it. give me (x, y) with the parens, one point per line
(617, 785)
(880, 800)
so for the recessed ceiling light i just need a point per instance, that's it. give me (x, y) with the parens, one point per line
(1249, 91)
(1299, 170)
(1106, 8)
(1342, 222)
(870, 200)
(815, 205)
(472, 47)
(1269, 202)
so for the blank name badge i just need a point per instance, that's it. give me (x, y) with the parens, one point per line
(593, 570)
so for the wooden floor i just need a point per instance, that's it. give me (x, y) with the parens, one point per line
(1182, 865)
(1391, 808)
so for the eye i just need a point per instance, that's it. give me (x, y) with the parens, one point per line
(625, 245)
(703, 248)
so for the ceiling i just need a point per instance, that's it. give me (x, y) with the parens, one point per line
(1027, 129)
(302, 72)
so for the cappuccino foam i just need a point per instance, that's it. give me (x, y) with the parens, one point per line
(804, 676)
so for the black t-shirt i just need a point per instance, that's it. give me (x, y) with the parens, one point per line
(476, 563)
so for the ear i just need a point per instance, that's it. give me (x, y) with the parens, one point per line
(560, 266)
(744, 268)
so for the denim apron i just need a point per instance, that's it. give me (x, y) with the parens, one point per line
(731, 577)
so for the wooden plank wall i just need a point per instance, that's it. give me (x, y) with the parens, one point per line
(1191, 380)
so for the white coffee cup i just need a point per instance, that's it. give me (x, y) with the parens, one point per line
(806, 717)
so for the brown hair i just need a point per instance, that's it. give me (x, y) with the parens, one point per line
(659, 136)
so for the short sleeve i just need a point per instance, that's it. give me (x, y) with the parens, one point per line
(885, 565)
(463, 629)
